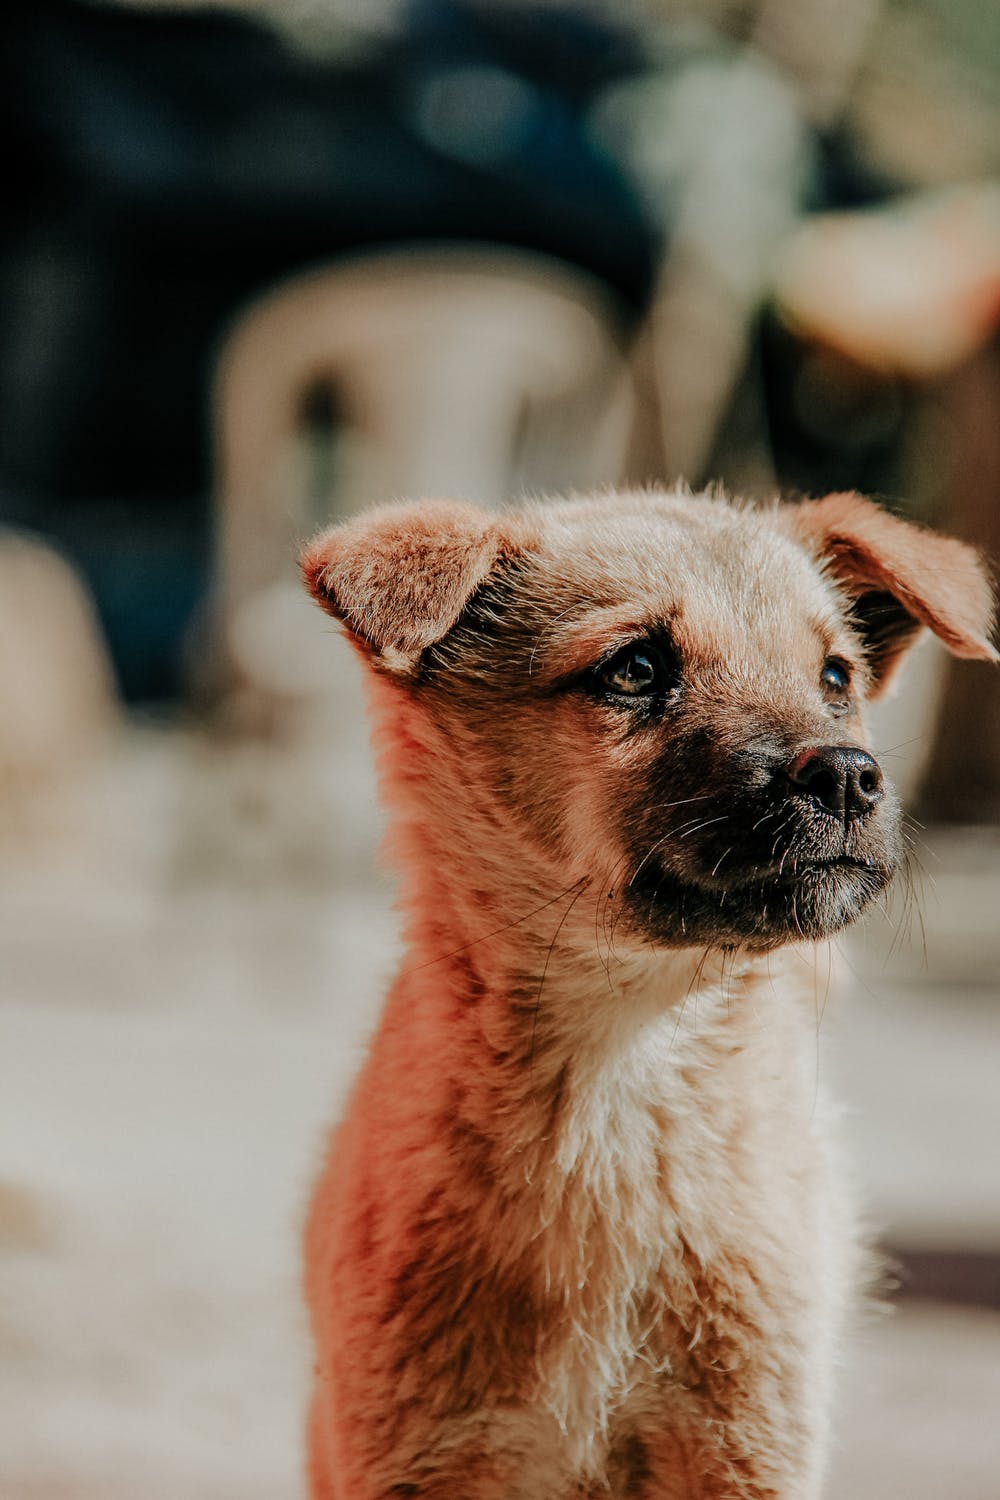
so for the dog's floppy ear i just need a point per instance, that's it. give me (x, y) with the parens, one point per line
(400, 576)
(900, 578)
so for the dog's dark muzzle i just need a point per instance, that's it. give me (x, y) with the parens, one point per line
(785, 847)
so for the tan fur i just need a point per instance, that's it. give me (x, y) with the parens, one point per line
(581, 1232)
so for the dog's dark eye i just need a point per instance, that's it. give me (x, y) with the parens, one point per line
(637, 671)
(835, 676)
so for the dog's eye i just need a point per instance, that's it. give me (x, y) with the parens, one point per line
(637, 671)
(835, 676)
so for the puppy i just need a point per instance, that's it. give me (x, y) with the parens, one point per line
(581, 1232)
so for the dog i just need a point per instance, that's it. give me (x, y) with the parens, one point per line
(582, 1231)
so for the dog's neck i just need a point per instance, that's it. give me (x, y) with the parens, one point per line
(520, 969)
(591, 1078)
(556, 988)
(574, 1069)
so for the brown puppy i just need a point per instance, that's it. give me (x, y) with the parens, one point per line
(581, 1232)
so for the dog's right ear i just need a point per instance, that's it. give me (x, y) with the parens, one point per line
(400, 576)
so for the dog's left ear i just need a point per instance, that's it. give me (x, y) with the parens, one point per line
(399, 577)
(900, 578)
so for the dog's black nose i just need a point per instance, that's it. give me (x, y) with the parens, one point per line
(841, 779)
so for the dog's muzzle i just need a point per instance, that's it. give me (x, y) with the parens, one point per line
(785, 848)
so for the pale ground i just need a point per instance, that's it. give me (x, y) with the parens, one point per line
(179, 1013)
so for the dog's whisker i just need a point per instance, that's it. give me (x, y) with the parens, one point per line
(677, 1023)
(683, 801)
(672, 833)
(915, 739)
(653, 849)
(545, 969)
(690, 832)
(603, 908)
(909, 826)
(496, 932)
(789, 853)
(910, 909)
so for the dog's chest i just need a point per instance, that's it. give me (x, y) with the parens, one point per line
(666, 1229)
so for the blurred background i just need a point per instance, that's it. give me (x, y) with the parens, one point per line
(264, 263)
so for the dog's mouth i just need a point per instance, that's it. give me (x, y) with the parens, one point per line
(806, 867)
(759, 906)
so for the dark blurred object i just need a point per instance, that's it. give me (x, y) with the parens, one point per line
(962, 780)
(873, 313)
(884, 368)
(967, 1277)
(172, 164)
(832, 423)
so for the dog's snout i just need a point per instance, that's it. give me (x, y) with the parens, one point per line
(841, 779)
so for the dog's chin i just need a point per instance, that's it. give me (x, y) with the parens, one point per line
(813, 900)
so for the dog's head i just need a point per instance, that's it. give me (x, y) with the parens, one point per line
(660, 694)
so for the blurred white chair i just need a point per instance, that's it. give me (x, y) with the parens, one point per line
(448, 372)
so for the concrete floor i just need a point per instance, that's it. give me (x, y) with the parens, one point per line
(182, 1001)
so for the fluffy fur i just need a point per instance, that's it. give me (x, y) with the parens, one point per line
(581, 1232)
